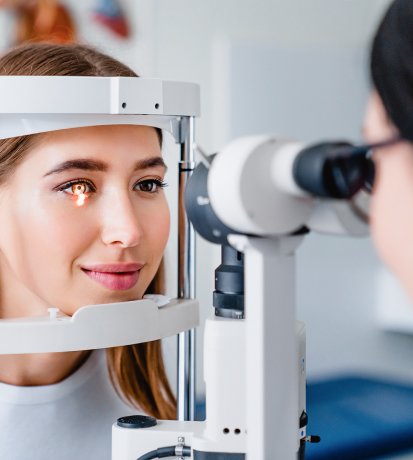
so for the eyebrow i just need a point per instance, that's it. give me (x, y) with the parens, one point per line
(97, 165)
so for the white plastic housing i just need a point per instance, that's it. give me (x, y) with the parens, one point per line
(244, 192)
(130, 444)
(225, 374)
(98, 326)
(339, 217)
(32, 104)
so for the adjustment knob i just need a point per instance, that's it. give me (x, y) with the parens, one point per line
(136, 421)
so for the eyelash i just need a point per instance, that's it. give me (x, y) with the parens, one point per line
(157, 182)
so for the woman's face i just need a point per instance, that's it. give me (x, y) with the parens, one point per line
(84, 220)
(391, 208)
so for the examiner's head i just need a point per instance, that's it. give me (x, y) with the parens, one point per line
(390, 114)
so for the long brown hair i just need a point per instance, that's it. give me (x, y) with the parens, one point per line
(137, 371)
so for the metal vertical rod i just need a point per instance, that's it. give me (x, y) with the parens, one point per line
(186, 277)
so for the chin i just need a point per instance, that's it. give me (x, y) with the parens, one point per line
(114, 297)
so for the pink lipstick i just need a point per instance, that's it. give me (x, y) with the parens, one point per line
(117, 277)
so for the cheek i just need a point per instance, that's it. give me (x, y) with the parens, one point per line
(46, 238)
(63, 228)
(385, 221)
(157, 226)
(392, 216)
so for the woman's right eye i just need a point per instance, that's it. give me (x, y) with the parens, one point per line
(77, 187)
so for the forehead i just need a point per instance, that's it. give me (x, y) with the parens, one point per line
(102, 137)
(116, 145)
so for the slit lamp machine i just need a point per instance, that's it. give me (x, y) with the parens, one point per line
(257, 198)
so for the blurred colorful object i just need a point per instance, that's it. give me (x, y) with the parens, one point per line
(109, 13)
(41, 20)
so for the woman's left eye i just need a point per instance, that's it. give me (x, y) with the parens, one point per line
(150, 185)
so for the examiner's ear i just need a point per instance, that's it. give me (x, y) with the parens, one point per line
(377, 126)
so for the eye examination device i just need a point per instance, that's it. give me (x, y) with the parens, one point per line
(258, 197)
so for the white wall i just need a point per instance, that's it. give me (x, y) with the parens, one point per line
(205, 42)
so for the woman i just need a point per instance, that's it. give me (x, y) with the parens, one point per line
(84, 220)
(390, 114)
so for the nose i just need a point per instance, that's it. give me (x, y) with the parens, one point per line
(120, 223)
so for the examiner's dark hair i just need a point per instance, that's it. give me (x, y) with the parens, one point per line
(137, 371)
(392, 65)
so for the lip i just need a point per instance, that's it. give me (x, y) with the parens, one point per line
(116, 277)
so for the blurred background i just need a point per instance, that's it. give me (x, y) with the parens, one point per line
(295, 68)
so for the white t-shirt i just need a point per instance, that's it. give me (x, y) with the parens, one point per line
(67, 421)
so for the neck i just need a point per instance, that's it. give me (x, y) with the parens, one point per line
(40, 368)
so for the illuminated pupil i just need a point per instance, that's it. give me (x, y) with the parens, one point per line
(78, 189)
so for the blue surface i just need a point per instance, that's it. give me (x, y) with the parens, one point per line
(356, 418)
(359, 418)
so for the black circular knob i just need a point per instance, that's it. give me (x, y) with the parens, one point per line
(136, 421)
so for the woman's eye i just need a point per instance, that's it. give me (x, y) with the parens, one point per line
(150, 185)
(76, 188)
